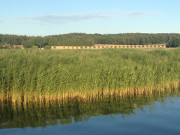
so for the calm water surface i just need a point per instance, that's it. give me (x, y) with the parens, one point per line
(158, 114)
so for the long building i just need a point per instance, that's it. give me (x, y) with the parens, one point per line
(103, 46)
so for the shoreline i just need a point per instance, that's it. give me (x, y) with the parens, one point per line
(35, 98)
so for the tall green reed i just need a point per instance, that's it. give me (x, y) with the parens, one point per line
(59, 72)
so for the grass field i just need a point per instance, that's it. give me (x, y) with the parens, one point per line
(45, 75)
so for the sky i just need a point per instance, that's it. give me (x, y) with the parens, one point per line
(52, 17)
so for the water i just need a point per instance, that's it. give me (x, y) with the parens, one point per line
(158, 114)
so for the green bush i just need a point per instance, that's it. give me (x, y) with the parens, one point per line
(34, 47)
(47, 47)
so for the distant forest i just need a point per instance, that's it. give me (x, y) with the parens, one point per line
(82, 39)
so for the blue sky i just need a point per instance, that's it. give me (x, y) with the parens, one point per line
(49, 17)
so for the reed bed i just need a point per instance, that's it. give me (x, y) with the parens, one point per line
(53, 113)
(56, 75)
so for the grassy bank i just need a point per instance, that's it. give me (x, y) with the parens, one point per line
(38, 75)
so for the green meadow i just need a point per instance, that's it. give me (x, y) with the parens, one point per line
(32, 75)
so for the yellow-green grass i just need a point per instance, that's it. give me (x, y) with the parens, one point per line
(52, 75)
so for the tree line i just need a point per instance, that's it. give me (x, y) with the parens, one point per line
(83, 39)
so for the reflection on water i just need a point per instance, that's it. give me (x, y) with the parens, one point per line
(50, 114)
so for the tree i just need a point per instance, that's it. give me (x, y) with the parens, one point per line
(28, 44)
(53, 42)
(174, 43)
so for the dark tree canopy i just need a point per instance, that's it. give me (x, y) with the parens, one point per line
(82, 39)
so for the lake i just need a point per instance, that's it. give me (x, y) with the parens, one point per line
(156, 114)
